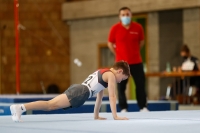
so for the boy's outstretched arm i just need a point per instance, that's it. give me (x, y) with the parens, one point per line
(97, 106)
(112, 97)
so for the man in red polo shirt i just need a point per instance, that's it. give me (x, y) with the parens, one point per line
(125, 40)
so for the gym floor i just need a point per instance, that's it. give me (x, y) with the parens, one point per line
(149, 122)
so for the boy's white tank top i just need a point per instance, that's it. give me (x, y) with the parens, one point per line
(95, 82)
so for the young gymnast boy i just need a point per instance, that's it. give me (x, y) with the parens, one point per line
(77, 94)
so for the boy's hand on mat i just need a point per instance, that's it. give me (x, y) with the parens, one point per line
(120, 118)
(100, 118)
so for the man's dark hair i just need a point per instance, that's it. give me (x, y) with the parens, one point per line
(124, 8)
(124, 66)
(185, 48)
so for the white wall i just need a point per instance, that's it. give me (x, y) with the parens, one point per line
(85, 35)
(153, 54)
(191, 30)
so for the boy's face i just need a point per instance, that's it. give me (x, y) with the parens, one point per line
(120, 76)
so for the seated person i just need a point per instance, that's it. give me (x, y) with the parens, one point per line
(190, 63)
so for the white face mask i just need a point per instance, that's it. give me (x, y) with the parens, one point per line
(125, 20)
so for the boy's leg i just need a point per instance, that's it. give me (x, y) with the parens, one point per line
(61, 101)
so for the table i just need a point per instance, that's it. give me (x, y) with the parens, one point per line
(184, 75)
(172, 74)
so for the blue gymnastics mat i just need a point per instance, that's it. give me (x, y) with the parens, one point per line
(150, 122)
(88, 107)
(30, 98)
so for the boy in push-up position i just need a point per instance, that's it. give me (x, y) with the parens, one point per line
(77, 94)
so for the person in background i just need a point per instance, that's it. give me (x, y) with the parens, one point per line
(125, 40)
(190, 63)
